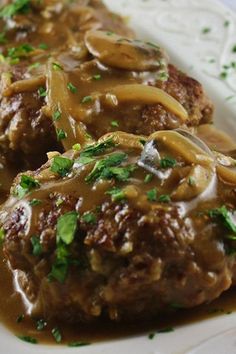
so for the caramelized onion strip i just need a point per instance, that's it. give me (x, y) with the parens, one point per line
(125, 139)
(59, 100)
(148, 95)
(28, 85)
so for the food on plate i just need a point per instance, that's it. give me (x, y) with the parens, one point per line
(72, 72)
(123, 228)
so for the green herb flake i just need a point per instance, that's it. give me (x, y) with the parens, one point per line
(42, 92)
(117, 194)
(78, 344)
(56, 115)
(226, 23)
(59, 202)
(37, 247)
(153, 45)
(35, 202)
(72, 88)
(87, 99)
(151, 336)
(2, 235)
(61, 165)
(41, 324)
(223, 75)
(28, 339)
(56, 66)
(27, 184)
(20, 52)
(97, 77)
(148, 178)
(3, 39)
(66, 227)
(99, 148)
(57, 334)
(152, 195)
(164, 198)
(225, 216)
(59, 270)
(43, 46)
(20, 318)
(142, 141)
(76, 147)
(166, 330)
(61, 134)
(114, 123)
(34, 66)
(17, 6)
(168, 162)
(234, 49)
(89, 218)
(191, 181)
(206, 30)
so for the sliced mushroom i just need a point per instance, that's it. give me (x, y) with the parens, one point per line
(123, 53)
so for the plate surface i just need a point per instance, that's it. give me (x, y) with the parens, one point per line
(199, 36)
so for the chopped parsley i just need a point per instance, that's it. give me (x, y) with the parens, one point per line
(87, 99)
(117, 194)
(166, 330)
(225, 216)
(20, 318)
(76, 147)
(206, 30)
(43, 46)
(164, 198)
(37, 247)
(234, 49)
(42, 92)
(27, 183)
(148, 178)
(97, 77)
(99, 148)
(151, 336)
(114, 123)
(61, 134)
(226, 23)
(20, 52)
(223, 75)
(35, 202)
(56, 66)
(3, 39)
(59, 270)
(34, 66)
(191, 182)
(167, 162)
(72, 88)
(28, 339)
(2, 235)
(152, 195)
(78, 344)
(41, 324)
(57, 334)
(66, 227)
(56, 115)
(89, 218)
(17, 6)
(61, 165)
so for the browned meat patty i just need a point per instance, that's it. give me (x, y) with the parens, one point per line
(108, 232)
(45, 56)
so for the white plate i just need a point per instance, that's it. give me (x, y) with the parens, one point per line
(178, 27)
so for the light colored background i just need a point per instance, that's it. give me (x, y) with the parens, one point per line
(231, 3)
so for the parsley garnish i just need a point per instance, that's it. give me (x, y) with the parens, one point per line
(42, 92)
(2, 235)
(28, 339)
(56, 66)
(97, 77)
(27, 183)
(59, 270)
(164, 198)
(56, 115)
(57, 334)
(152, 195)
(20, 52)
(41, 324)
(225, 216)
(35, 202)
(71, 87)
(43, 46)
(99, 148)
(37, 247)
(234, 49)
(167, 162)
(78, 344)
(206, 30)
(166, 330)
(87, 99)
(61, 165)
(61, 134)
(151, 336)
(191, 181)
(66, 227)
(116, 194)
(76, 147)
(148, 178)
(20, 318)
(89, 218)
(115, 124)
(18, 6)
(3, 39)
